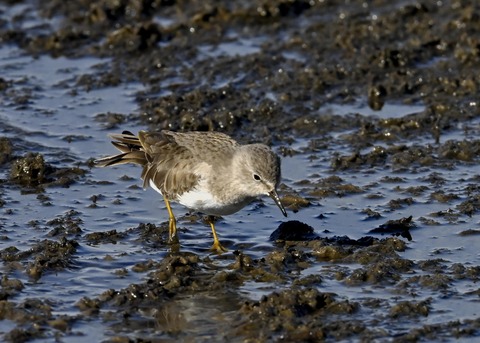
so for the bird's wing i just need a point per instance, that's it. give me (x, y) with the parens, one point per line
(169, 165)
(208, 147)
(177, 161)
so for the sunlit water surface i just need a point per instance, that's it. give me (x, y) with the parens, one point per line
(57, 122)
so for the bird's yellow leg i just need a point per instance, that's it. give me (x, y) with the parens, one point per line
(172, 223)
(217, 246)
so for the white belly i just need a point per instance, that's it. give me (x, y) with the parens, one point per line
(203, 201)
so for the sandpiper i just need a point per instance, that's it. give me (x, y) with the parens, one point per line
(205, 171)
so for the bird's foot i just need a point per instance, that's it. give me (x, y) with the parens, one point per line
(173, 239)
(218, 248)
(172, 231)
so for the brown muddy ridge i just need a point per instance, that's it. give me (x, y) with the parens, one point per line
(290, 60)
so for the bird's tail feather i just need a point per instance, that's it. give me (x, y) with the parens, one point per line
(131, 148)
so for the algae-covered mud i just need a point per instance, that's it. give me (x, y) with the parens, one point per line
(373, 107)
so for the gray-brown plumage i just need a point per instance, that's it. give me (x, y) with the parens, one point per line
(206, 171)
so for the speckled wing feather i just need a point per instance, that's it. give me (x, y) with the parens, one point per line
(169, 165)
(173, 155)
(208, 147)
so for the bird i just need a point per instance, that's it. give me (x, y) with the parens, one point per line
(206, 171)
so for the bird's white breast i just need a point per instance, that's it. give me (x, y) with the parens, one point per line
(199, 199)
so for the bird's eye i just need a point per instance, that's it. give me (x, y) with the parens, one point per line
(256, 177)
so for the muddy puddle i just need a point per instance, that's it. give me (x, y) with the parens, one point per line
(373, 108)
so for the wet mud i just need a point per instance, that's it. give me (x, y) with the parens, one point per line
(263, 71)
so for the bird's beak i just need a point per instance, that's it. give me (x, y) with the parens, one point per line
(273, 194)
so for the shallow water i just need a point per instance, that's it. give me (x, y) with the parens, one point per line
(60, 121)
(389, 110)
(42, 127)
(55, 114)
